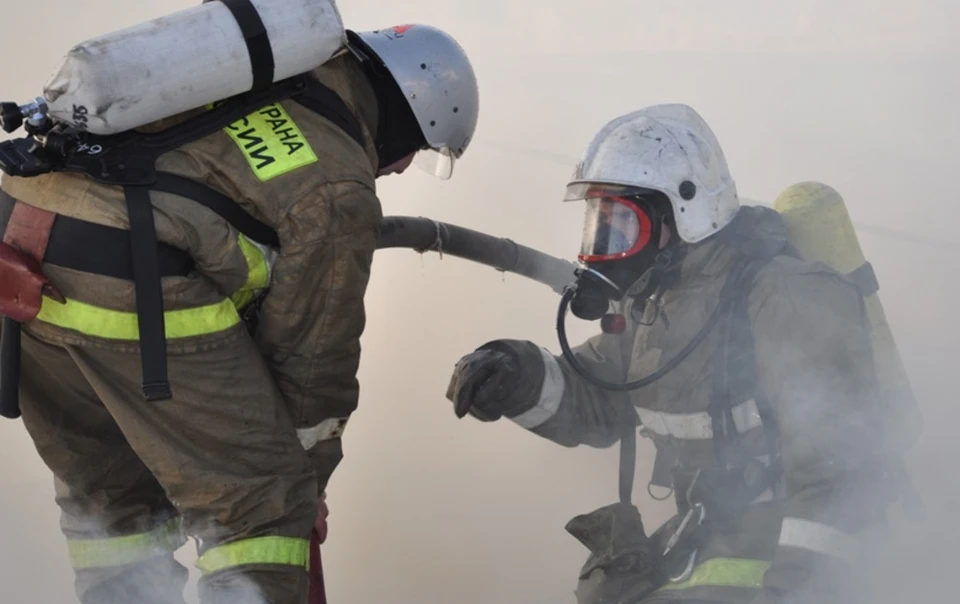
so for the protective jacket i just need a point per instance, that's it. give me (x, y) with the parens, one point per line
(252, 433)
(801, 388)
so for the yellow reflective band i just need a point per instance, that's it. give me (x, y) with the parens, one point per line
(258, 273)
(120, 551)
(118, 325)
(724, 572)
(271, 142)
(259, 550)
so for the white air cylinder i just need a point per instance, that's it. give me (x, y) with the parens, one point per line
(163, 67)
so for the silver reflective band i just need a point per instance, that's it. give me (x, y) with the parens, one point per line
(325, 430)
(697, 426)
(817, 537)
(550, 395)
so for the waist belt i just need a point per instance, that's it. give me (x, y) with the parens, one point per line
(46, 237)
(98, 249)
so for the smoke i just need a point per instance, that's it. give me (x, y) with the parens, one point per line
(426, 508)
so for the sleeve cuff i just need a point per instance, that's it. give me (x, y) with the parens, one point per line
(551, 393)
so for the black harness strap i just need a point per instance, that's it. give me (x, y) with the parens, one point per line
(130, 158)
(227, 208)
(103, 250)
(258, 42)
(325, 102)
(149, 295)
(96, 248)
(720, 407)
(735, 356)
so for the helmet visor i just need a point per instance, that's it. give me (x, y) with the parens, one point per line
(578, 191)
(613, 228)
(436, 162)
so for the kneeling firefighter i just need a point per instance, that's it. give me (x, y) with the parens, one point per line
(750, 368)
(161, 413)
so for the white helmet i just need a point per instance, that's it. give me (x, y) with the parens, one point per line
(436, 78)
(667, 148)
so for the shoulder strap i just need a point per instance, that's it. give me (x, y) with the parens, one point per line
(226, 207)
(736, 357)
(324, 102)
(149, 296)
(130, 158)
(733, 357)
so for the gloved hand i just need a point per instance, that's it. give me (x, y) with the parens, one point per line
(487, 382)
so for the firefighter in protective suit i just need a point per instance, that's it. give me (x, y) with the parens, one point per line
(240, 454)
(750, 369)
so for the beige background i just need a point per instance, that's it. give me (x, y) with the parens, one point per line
(426, 509)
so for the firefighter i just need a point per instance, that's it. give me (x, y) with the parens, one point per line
(750, 368)
(241, 429)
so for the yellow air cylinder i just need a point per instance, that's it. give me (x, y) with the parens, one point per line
(820, 229)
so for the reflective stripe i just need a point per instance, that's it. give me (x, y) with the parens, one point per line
(258, 550)
(698, 426)
(817, 537)
(260, 260)
(551, 393)
(118, 325)
(327, 429)
(724, 572)
(120, 551)
(271, 142)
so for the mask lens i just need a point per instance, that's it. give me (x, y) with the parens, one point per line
(612, 228)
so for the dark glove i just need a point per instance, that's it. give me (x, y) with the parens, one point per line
(622, 567)
(500, 378)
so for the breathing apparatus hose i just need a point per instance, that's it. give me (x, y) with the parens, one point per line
(583, 372)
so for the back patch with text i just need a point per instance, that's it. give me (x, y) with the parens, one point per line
(271, 142)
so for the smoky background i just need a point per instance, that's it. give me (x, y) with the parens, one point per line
(861, 95)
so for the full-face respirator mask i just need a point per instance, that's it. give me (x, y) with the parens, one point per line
(627, 249)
